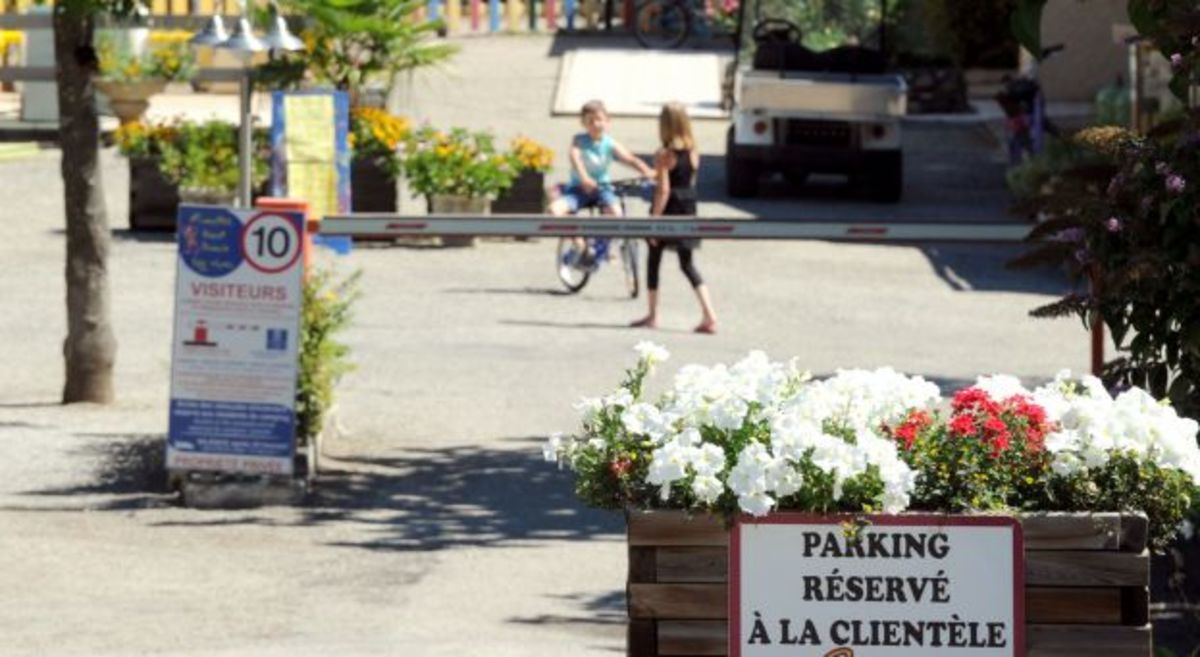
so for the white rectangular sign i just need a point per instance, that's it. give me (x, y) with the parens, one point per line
(237, 323)
(902, 586)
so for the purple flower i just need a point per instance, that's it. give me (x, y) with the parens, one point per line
(1081, 256)
(1071, 235)
(1113, 225)
(1161, 168)
(1115, 184)
(1176, 60)
(1176, 184)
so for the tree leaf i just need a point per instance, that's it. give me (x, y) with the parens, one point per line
(1026, 24)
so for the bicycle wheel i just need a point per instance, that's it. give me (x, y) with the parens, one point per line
(570, 272)
(662, 24)
(629, 263)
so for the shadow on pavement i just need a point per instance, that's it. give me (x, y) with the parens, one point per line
(435, 499)
(977, 268)
(128, 472)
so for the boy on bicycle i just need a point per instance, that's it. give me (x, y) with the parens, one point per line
(591, 154)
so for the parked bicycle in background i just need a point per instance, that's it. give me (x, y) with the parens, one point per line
(1024, 107)
(668, 24)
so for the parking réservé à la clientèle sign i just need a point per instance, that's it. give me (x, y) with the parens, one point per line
(899, 586)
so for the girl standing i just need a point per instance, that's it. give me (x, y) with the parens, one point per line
(675, 167)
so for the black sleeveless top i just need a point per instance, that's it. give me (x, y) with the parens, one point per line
(682, 200)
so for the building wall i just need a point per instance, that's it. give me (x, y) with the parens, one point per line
(1092, 60)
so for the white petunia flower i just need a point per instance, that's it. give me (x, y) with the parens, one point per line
(707, 488)
(1001, 386)
(552, 447)
(756, 504)
(652, 353)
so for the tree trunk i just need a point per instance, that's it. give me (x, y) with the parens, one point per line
(90, 347)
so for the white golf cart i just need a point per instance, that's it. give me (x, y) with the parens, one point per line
(811, 94)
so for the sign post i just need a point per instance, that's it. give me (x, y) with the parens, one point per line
(898, 586)
(234, 363)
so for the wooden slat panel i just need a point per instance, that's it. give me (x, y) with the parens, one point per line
(1135, 605)
(1077, 606)
(691, 638)
(688, 638)
(678, 601)
(676, 528)
(1086, 568)
(1042, 567)
(1083, 606)
(1134, 529)
(1082, 640)
(692, 564)
(1071, 531)
(642, 565)
(641, 639)
(1043, 531)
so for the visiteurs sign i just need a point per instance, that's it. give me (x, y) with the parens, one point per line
(237, 323)
(890, 587)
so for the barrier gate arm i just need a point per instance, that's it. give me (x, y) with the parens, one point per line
(389, 225)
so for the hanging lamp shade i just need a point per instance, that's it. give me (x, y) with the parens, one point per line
(243, 40)
(212, 35)
(279, 37)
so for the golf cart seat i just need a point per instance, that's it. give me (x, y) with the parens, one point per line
(794, 57)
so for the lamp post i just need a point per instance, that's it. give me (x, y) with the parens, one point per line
(244, 45)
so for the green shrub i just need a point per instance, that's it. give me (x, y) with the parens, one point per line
(324, 360)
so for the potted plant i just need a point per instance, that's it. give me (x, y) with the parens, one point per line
(458, 172)
(376, 137)
(152, 198)
(1075, 465)
(528, 192)
(181, 160)
(128, 78)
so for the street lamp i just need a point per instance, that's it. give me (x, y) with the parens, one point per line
(244, 45)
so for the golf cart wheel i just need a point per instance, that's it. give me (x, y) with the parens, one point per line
(571, 272)
(741, 177)
(662, 24)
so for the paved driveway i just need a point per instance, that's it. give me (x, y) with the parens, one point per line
(437, 529)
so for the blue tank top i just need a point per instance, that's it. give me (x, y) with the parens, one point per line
(597, 155)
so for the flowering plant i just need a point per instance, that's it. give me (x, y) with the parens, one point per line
(749, 437)
(378, 135)
(760, 435)
(165, 59)
(194, 155)
(457, 162)
(531, 155)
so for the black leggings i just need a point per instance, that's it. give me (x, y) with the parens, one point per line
(685, 263)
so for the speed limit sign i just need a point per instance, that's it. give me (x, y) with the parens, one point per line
(271, 243)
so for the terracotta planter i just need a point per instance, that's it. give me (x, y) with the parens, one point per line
(130, 100)
(1086, 579)
(372, 188)
(526, 196)
(454, 204)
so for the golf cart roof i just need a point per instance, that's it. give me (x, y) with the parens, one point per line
(824, 24)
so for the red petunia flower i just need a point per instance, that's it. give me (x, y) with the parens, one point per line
(963, 425)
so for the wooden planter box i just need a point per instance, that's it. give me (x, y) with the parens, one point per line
(1086, 579)
(153, 201)
(372, 188)
(526, 196)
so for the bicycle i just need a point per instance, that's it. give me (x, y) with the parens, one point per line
(1024, 107)
(575, 266)
(668, 23)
